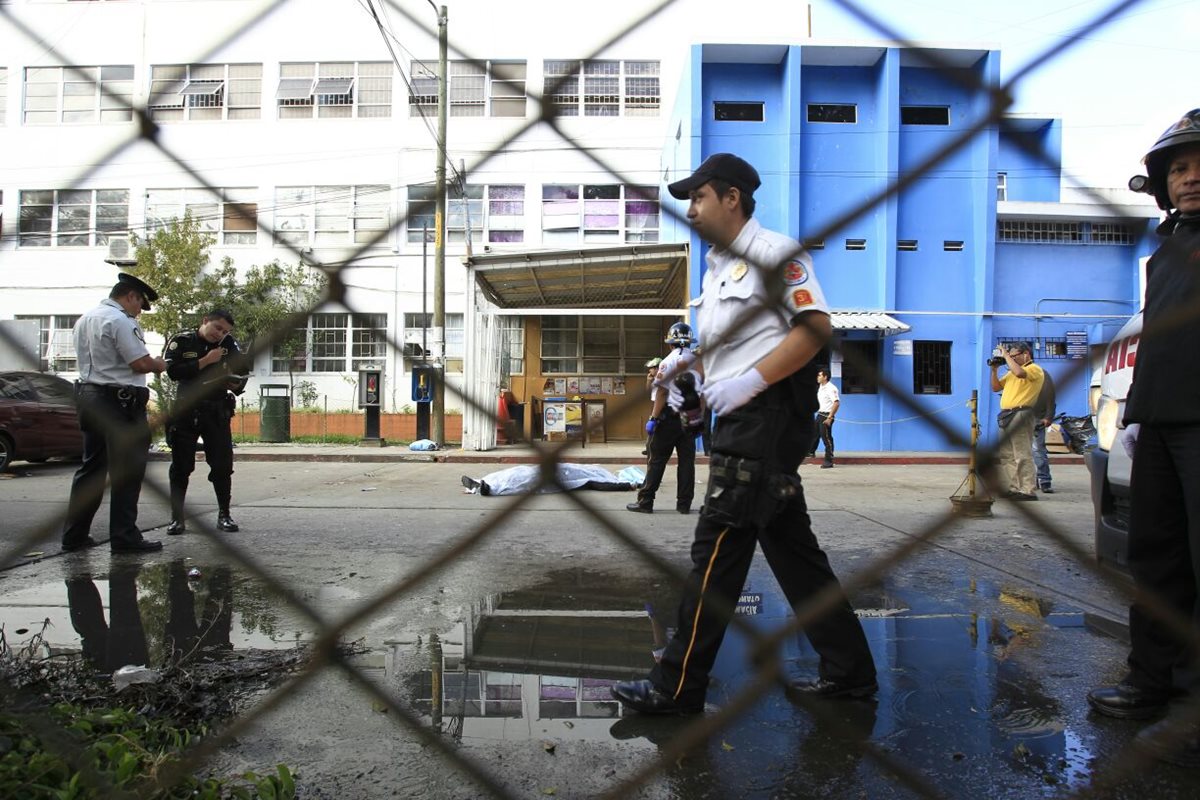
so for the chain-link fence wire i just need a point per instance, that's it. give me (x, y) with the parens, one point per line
(766, 651)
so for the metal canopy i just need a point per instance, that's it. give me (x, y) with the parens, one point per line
(628, 276)
(867, 321)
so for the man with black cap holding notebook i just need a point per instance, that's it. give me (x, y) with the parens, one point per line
(763, 320)
(111, 396)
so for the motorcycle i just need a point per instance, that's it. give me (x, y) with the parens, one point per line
(1078, 433)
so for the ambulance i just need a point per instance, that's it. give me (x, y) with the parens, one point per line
(1108, 463)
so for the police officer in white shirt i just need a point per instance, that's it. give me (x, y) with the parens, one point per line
(111, 397)
(763, 319)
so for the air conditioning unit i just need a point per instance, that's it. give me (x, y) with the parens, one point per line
(119, 248)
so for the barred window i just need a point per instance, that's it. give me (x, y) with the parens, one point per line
(1112, 233)
(328, 90)
(418, 333)
(602, 88)
(327, 333)
(69, 95)
(860, 366)
(931, 367)
(205, 92)
(1034, 231)
(230, 216)
(72, 217)
(512, 345)
(368, 340)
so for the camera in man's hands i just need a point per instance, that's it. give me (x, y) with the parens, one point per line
(995, 361)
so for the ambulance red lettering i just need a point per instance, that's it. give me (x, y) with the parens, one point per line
(1122, 354)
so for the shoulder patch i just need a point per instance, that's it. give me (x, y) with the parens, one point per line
(794, 273)
(801, 298)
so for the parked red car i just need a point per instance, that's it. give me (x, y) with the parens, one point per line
(37, 418)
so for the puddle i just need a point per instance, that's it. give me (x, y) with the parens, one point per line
(959, 687)
(148, 615)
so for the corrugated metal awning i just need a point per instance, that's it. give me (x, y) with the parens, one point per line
(630, 276)
(867, 321)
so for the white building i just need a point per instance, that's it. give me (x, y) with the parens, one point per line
(305, 116)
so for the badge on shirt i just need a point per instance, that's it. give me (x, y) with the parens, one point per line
(801, 298)
(794, 274)
(173, 345)
(739, 271)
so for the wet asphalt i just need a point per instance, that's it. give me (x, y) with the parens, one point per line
(515, 614)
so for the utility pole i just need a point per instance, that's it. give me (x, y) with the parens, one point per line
(439, 250)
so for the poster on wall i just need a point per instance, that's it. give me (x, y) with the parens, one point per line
(592, 384)
(573, 385)
(618, 386)
(573, 420)
(560, 386)
(606, 386)
(554, 417)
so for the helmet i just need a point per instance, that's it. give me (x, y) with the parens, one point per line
(680, 335)
(1185, 131)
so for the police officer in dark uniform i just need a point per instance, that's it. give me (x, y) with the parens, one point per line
(111, 398)
(1162, 431)
(668, 432)
(763, 319)
(205, 362)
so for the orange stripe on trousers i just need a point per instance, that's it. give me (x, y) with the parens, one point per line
(699, 607)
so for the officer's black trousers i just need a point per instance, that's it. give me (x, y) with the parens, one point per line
(670, 437)
(1164, 553)
(116, 444)
(211, 421)
(721, 556)
(823, 434)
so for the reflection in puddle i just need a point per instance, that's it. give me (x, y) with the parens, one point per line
(959, 687)
(153, 615)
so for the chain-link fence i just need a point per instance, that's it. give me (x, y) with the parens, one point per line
(765, 664)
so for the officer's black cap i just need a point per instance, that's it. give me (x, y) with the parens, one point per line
(124, 279)
(722, 166)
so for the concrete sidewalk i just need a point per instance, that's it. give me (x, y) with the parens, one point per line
(601, 453)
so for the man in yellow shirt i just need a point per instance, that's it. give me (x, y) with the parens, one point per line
(1019, 389)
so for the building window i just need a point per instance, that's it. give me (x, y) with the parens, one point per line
(609, 213)
(3, 94)
(72, 217)
(476, 89)
(833, 112)
(231, 216)
(1039, 232)
(609, 88)
(368, 340)
(906, 244)
(860, 366)
(205, 92)
(1001, 186)
(924, 115)
(931, 367)
(57, 352)
(1111, 233)
(953, 245)
(512, 345)
(418, 331)
(332, 216)
(1053, 348)
(814, 244)
(493, 213)
(738, 112)
(600, 345)
(69, 95)
(335, 90)
(327, 342)
(856, 244)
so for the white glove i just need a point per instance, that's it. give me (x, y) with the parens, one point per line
(733, 393)
(1128, 438)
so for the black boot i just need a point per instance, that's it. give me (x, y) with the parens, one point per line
(177, 526)
(226, 523)
(641, 507)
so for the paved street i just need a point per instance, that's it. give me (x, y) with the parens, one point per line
(986, 639)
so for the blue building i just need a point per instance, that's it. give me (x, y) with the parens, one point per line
(974, 249)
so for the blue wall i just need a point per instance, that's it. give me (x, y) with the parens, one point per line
(816, 175)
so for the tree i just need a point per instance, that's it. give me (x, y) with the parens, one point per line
(269, 303)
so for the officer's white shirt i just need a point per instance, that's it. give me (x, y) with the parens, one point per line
(668, 366)
(827, 395)
(741, 321)
(107, 341)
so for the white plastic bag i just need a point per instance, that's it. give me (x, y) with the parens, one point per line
(130, 674)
